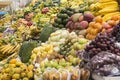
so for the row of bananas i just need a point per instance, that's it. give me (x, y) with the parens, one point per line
(6, 50)
(105, 8)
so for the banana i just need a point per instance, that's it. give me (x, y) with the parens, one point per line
(7, 48)
(16, 48)
(10, 50)
(108, 10)
(103, 1)
(108, 16)
(107, 4)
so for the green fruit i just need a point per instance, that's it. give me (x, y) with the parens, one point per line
(26, 50)
(83, 41)
(58, 20)
(65, 21)
(63, 11)
(61, 26)
(45, 34)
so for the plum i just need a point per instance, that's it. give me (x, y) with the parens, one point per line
(84, 24)
(88, 17)
(68, 24)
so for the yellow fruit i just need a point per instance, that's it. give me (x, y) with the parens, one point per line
(23, 74)
(30, 67)
(16, 76)
(26, 78)
(12, 65)
(18, 63)
(108, 16)
(17, 70)
(30, 74)
(13, 61)
(7, 70)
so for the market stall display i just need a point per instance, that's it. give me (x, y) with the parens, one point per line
(61, 40)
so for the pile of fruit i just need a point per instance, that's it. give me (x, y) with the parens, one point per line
(61, 40)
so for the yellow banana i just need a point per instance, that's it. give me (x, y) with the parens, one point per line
(16, 48)
(108, 10)
(103, 1)
(107, 4)
(7, 48)
(108, 16)
(10, 50)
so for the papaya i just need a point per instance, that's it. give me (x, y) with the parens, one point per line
(26, 50)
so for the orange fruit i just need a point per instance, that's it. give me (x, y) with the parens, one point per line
(98, 26)
(111, 22)
(99, 19)
(13, 61)
(91, 24)
(115, 17)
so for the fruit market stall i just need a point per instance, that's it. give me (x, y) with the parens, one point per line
(61, 40)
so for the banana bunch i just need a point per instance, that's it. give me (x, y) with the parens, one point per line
(53, 10)
(105, 8)
(43, 51)
(6, 50)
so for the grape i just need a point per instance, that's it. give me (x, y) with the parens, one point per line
(116, 32)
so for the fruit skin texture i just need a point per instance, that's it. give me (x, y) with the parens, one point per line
(26, 50)
(88, 17)
(84, 24)
(75, 17)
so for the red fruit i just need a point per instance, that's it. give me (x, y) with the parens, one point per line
(71, 27)
(109, 30)
(29, 23)
(45, 10)
(76, 25)
(81, 18)
(68, 24)
(106, 26)
(84, 24)
(88, 17)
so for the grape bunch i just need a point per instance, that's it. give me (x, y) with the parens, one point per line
(116, 32)
(102, 43)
